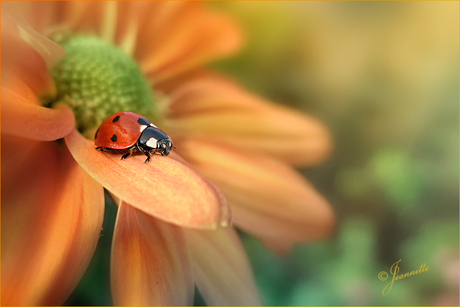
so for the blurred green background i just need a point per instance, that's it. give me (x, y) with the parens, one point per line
(384, 77)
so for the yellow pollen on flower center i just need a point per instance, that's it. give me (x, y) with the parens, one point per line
(96, 79)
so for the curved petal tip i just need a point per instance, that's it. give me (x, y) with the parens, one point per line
(43, 124)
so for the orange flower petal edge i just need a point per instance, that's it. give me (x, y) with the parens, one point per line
(32, 121)
(190, 35)
(150, 264)
(209, 106)
(50, 227)
(269, 199)
(164, 188)
(222, 271)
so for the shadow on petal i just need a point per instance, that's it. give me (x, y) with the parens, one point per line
(15, 153)
(150, 264)
(223, 273)
(165, 188)
(52, 214)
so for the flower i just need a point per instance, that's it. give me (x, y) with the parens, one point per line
(52, 200)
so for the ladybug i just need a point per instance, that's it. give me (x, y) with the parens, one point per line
(131, 131)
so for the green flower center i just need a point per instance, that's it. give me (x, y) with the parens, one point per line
(96, 79)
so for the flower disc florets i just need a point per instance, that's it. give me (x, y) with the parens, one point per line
(96, 79)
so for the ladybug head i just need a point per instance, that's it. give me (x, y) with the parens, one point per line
(165, 145)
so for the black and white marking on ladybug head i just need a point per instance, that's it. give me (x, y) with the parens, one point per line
(165, 146)
(156, 140)
(152, 143)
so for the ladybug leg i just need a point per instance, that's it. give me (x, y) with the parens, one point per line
(128, 154)
(145, 152)
(101, 148)
(125, 156)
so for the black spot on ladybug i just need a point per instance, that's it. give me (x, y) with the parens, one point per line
(143, 121)
(114, 138)
(95, 136)
(116, 119)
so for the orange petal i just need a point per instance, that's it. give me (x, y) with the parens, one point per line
(14, 23)
(36, 16)
(16, 152)
(222, 271)
(165, 188)
(52, 213)
(56, 17)
(82, 16)
(268, 198)
(176, 36)
(150, 263)
(21, 61)
(21, 115)
(214, 108)
(24, 77)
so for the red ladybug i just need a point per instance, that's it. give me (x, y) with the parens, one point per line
(131, 131)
